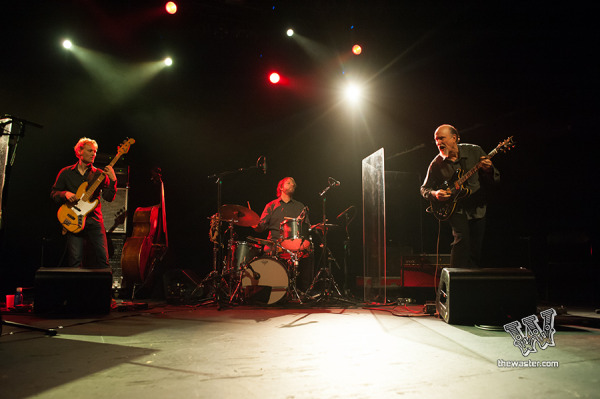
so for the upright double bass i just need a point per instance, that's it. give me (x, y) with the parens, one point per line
(149, 240)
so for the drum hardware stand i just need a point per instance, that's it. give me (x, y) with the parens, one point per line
(293, 274)
(215, 279)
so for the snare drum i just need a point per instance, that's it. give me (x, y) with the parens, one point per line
(240, 253)
(285, 254)
(293, 236)
(272, 280)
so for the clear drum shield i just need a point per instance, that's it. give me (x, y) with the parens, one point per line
(374, 236)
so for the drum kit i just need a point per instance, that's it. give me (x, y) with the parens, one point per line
(256, 270)
(266, 271)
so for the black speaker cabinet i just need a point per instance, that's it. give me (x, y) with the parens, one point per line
(71, 291)
(486, 296)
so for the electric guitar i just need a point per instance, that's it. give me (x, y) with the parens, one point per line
(444, 209)
(71, 215)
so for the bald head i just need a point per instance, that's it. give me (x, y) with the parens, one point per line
(449, 129)
(446, 139)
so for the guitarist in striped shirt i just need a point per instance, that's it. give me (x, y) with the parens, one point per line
(467, 205)
(67, 183)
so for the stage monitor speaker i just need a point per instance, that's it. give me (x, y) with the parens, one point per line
(71, 291)
(485, 296)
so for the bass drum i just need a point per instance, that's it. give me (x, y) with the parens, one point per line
(265, 281)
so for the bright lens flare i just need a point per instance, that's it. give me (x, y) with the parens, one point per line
(168, 61)
(171, 7)
(290, 32)
(67, 44)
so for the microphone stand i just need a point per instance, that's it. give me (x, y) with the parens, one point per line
(330, 288)
(215, 277)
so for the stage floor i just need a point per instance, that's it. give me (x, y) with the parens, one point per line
(245, 352)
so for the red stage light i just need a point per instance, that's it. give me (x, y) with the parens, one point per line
(274, 78)
(171, 7)
(356, 49)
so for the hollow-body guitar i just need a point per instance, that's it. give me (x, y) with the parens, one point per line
(456, 184)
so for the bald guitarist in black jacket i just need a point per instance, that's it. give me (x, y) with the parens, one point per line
(464, 207)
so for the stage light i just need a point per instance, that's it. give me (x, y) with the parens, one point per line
(353, 93)
(171, 7)
(290, 32)
(356, 49)
(274, 78)
(67, 44)
(168, 61)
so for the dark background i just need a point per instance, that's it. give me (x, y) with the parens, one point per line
(492, 70)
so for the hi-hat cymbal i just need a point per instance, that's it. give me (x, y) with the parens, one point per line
(240, 215)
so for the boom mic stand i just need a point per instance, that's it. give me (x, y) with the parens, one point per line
(330, 289)
(215, 277)
(47, 331)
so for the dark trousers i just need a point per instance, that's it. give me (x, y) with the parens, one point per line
(95, 234)
(468, 241)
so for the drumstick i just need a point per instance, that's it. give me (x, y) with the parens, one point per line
(249, 207)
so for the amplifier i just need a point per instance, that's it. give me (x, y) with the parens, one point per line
(425, 262)
(115, 212)
(122, 173)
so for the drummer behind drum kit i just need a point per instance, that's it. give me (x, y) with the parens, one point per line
(258, 270)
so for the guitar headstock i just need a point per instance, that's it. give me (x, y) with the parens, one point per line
(124, 147)
(506, 144)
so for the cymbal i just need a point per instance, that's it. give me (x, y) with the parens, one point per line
(319, 226)
(240, 215)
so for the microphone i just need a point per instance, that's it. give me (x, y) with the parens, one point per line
(264, 165)
(333, 182)
(255, 275)
(345, 212)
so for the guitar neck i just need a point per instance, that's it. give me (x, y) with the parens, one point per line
(475, 168)
(90, 191)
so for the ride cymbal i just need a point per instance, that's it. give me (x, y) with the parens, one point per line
(240, 215)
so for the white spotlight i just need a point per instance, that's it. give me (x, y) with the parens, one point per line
(290, 32)
(168, 61)
(67, 44)
(353, 93)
